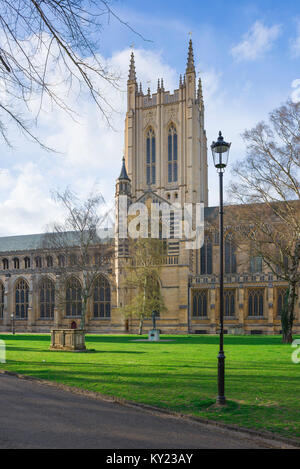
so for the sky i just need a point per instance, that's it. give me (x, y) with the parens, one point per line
(247, 54)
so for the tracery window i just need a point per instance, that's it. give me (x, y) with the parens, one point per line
(46, 298)
(61, 260)
(230, 256)
(5, 264)
(21, 299)
(281, 298)
(200, 303)
(38, 262)
(255, 264)
(102, 298)
(206, 257)
(49, 261)
(150, 157)
(16, 263)
(73, 297)
(256, 302)
(172, 154)
(229, 302)
(27, 262)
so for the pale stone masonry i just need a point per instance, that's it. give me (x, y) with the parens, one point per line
(166, 161)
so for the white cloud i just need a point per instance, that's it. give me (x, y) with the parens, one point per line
(91, 152)
(256, 42)
(295, 43)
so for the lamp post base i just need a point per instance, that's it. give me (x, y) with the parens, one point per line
(221, 378)
(221, 400)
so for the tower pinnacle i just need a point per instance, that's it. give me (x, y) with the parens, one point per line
(131, 75)
(123, 174)
(190, 67)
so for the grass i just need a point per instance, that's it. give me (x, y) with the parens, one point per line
(262, 383)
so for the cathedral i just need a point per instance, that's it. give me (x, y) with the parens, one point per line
(165, 161)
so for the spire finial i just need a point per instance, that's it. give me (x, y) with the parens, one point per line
(131, 75)
(200, 93)
(162, 84)
(190, 66)
(123, 173)
(158, 85)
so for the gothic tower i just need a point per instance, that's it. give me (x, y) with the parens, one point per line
(165, 140)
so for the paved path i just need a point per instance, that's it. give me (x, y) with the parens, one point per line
(34, 415)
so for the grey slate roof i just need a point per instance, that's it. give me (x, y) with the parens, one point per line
(36, 241)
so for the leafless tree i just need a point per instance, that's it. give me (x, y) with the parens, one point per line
(46, 43)
(142, 279)
(269, 182)
(79, 246)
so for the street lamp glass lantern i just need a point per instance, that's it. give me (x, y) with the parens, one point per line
(220, 152)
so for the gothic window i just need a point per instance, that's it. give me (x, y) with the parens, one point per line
(150, 157)
(255, 264)
(21, 299)
(49, 261)
(172, 154)
(61, 260)
(281, 298)
(73, 297)
(230, 256)
(206, 257)
(200, 303)
(38, 262)
(256, 302)
(73, 259)
(46, 298)
(1, 299)
(16, 263)
(101, 298)
(229, 302)
(27, 262)
(5, 264)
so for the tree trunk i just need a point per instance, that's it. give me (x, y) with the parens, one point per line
(83, 314)
(287, 317)
(141, 325)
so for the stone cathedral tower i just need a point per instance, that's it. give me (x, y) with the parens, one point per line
(165, 140)
(165, 160)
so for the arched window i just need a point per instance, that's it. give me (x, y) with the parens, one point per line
(27, 262)
(150, 157)
(73, 297)
(49, 261)
(256, 302)
(38, 262)
(61, 260)
(200, 303)
(230, 256)
(229, 302)
(21, 299)
(206, 257)
(16, 263)
(73, 259)
(1, 299)
(172, 154)
(255, 264)
(281, 298)
(5, 264)
(101, 298)
(46, 298)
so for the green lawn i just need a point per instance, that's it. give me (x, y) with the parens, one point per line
(262, 383)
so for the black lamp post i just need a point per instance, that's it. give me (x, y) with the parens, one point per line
(12, 323)
(220, 152)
